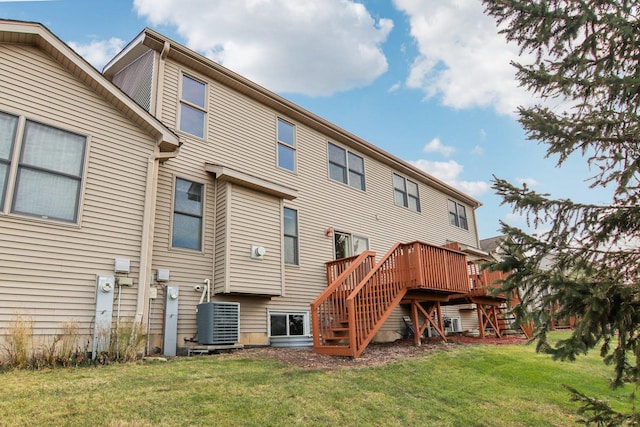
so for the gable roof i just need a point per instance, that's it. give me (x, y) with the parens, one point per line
(492, 243)
(150, 39)
(35, 34)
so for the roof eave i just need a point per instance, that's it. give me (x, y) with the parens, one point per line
(36, 34)
(154, 40)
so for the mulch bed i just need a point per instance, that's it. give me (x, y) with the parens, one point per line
(374, 355)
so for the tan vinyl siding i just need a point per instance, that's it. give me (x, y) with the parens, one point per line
(49, 268)
(220, 275)
(241, 135)
(187, 267)
(255, 220)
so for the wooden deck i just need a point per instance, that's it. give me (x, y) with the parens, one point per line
(361, 294)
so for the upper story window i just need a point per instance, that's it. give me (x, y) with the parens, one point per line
(193, 110)
(458, 215)
(347, 244)
(48, 172)
(346, 167)
(290, 236)
(286, 145)
(405, 193)
(187, 215)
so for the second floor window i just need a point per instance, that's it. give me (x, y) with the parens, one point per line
(458, 215)
(193, 111)
(286, 145)
(405, 193)
(187, 215)
(346, 167)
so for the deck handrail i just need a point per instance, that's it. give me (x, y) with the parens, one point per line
(370, 303)
(336, 267)
(330, 304)
(415, 265)
(440, 268)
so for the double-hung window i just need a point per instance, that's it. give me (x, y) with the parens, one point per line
(282, 324)
(405, 193)
(290, 236)
(8, 128)
(286, 145)
(49, 169)
(187, 215)
(347, 244)
(458, 215)
(346, 167)
(193, 112)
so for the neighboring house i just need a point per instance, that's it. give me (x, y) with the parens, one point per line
(262, 195)
(78, 169)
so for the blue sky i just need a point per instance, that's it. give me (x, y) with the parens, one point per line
(427, 80)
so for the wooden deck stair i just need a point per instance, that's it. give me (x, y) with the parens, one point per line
(362, 294)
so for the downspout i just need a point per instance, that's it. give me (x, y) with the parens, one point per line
(475, 224)
(148, 224)
(148, 221)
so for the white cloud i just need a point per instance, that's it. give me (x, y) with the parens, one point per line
(436, 146)
(98, 52)
(477, 150)
(309, 47)
(531, 182)
(483, 134)
(394, 87)
(462, 60)
(449, 172)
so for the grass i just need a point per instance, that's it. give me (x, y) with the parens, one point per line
(464, 386)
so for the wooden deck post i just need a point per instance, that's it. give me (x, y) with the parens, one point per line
(480, 320)
(416, 323)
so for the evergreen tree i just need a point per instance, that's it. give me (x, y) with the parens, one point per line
(587, 55)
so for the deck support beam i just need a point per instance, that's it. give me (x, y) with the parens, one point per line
(488, 315)
(432, 316)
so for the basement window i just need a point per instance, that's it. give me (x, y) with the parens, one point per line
(283, 324)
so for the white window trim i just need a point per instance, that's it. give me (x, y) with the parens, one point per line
(205, 110)
(307, 321)
(351, 235)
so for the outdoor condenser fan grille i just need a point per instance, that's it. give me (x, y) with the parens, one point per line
(218, 323)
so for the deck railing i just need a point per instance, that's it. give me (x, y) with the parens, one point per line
(438, 268)
(337, 267)
(370, 303)
(328, 310)
(361, 296)
(406, 266)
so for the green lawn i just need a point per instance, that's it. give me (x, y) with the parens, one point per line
(465, 386)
